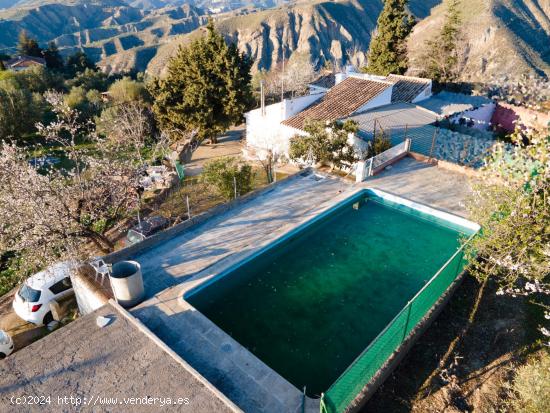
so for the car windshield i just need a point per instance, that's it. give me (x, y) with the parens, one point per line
(29, 294)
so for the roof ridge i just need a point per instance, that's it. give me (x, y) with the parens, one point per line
(340, 101)
(410, 77)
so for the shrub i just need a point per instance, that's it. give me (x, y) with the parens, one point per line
(531, 387)
(379, 144)
(224, 173)
(326, 143)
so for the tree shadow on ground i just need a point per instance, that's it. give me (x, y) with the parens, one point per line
(487, 349)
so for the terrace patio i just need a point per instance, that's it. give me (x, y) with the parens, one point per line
(175, 264)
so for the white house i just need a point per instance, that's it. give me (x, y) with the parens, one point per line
(332, 97)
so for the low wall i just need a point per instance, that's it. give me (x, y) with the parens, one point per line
(151, 242)
(449, 166)
(89, 296)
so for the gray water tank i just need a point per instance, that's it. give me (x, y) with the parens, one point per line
(127, 283)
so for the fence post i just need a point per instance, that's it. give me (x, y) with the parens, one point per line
(360, 171)
(235, 186)
(407, 324)
(322, 405)
(370, 167)
(459, 262)
(188, 209)
(436, 132)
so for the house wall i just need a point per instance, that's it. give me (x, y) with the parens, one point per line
(425, 94)
(265, 132)
(382, 99)
(506, 115)
(481, 116)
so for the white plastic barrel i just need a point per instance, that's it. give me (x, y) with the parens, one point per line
(127, 283)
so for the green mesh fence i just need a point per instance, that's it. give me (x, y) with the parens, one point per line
(363, 369)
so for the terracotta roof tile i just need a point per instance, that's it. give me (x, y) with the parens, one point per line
(406, 88)
(340, 101)
(23, 61)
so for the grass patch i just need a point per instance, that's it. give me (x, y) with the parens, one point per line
(531, 386)
(202, 197)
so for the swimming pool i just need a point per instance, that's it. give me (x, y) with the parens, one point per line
(309, 304)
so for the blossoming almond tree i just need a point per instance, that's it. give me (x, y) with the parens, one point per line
(512, 203)
(47, 215)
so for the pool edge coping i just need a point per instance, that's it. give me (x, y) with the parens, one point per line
(228, 264)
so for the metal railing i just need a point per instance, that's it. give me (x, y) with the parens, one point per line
(371, 166)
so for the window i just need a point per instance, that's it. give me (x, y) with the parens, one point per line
(61, 286)
(28, 294)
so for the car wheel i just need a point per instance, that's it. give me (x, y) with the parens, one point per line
(2, 356)
(48, 318)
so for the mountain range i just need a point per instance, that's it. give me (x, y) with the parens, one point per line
(500, 36)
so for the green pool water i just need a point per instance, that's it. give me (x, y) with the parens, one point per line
(310, 305)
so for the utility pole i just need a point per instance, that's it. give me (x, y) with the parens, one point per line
(283, 77)
(262, 98)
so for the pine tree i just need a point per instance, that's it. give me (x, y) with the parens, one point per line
(53, 57)
(388, 51)
(207, 89)
(442, 57)
(78, 63)
(28, 46)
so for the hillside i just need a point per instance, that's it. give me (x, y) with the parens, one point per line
(501, 37)
(327, 31)
(99, 28)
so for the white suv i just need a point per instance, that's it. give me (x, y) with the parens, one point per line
(32, 300)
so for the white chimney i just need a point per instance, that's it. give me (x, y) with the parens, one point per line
(339, 77)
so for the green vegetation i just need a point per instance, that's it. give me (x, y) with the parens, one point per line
(10, 274)
(531, 386)
(28, 46)
(53, 57)
(512, 206)
(325, 143)
(206, 90)
(78, 63)
(230, 177)
(443, 54)
(388, 50)
(22, 104)
(379, 144)
(20, 108)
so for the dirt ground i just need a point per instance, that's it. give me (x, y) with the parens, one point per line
(22, 332)
(480, 361)
(229, 144)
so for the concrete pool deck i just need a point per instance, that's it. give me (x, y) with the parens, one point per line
(209, 248)
(425, 183)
